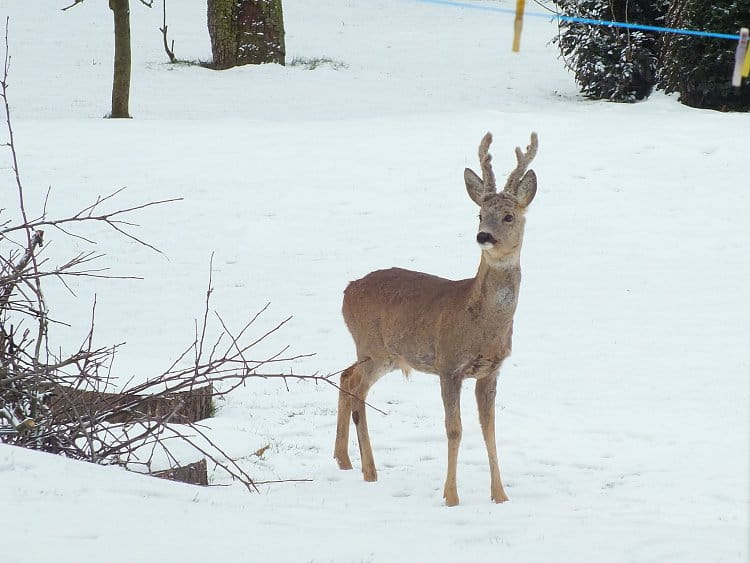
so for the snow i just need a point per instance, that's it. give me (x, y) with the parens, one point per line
(623, 411)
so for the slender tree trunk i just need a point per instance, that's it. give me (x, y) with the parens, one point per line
(121, 79)
(246, 32)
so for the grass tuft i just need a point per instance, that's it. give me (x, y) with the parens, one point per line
(311, 63)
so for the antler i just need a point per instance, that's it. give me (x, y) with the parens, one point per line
(485, 161)
(524, 159)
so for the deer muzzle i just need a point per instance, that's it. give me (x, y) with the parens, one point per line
(485, 240)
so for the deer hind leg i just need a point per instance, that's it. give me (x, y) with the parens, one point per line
(341, 449)
(356, 381)
(485, 391)
(450, 387)
(364, 376)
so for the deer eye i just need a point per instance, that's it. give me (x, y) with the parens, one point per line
(508, 218)
(480, 216)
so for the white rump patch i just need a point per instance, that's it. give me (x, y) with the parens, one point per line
(404, 367)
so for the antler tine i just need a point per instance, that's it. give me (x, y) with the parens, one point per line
(524, 159)
(485, 161)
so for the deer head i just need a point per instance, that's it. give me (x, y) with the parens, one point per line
(501, 215)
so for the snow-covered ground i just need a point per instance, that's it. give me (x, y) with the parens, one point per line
(623, 411)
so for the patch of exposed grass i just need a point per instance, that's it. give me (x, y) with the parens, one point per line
(311, 63)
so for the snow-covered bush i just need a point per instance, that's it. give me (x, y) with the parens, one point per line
(611, 63)
(699, 68)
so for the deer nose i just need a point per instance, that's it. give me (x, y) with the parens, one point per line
(484, 238)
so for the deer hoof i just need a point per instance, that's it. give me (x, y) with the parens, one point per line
(451, 498)
(344, 464)
(501, 497)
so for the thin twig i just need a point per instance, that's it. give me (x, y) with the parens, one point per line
(75, 3)
(163, 29)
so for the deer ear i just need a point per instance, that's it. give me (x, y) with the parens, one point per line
(474, 186)
(526, 189)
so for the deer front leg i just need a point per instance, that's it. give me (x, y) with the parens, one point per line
(485, 391)
(450, 387)
(341, 449)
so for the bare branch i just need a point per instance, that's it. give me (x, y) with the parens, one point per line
(75, 3)
(87, 215)
(169, 50)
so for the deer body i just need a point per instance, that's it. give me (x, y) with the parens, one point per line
(455, 329)
(385, 304)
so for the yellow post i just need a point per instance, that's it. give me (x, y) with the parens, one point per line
(740, 57)
(518, 25)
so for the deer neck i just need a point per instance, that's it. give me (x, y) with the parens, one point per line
(495, 287)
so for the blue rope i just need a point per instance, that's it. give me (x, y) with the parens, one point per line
(585, 20)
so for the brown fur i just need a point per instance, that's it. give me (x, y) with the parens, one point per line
(454, 329)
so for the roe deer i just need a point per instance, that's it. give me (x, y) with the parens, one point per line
(454, 329)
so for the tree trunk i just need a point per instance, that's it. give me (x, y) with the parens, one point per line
(222, 28)
(121, 79)
(246, 32)
(194, 473)
(185, 407)
(260, 24)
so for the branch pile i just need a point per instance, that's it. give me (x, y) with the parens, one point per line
(69, 404)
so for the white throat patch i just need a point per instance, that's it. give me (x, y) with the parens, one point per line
(505, 296)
